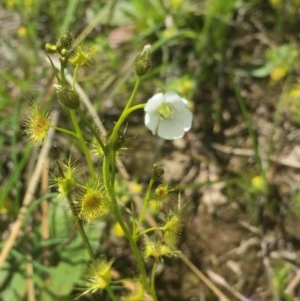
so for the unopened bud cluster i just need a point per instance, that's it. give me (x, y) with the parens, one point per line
(63, 45)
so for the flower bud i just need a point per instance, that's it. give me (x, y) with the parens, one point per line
(157, 172)
(50, 48)
(65, 53)
(68, 98)
(142, 62)
(65, 40)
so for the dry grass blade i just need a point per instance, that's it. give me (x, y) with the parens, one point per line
(29, 192)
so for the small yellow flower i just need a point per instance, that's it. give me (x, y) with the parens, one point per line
(259, 184)
(275, 3)
(117, 230)
(10, 3)
(176, 3)
(28, 2)
(278, 73)
(170, 32)
(36, 125)
(186, 86)
(137, 188)
(22, 31)
(294, 93)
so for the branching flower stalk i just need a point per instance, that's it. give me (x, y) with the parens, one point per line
(117, 214)
(166, 115)
(83, 144)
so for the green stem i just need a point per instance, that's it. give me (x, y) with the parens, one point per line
(87, 243)
(117, 214)
(108, 175)
(88, 124)
(74, 77)
(153, 278)
(111, 293)
(62, 75)
(124, 114)
(113, 168)
(138, 235)
(83, 145)
(65, 131)
(145, 205)
(134, 108)
(54, 69)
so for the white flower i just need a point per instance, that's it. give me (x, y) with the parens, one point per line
(167, 115)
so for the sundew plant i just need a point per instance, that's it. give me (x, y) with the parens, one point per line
(166, 115)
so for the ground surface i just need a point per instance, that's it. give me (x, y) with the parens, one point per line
(237, 169)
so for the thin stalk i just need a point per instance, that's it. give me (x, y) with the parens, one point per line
(74, 77)
(124, 113)
(81, 229)
(87, 243)
(145, 205)
(111, 293)
(87, 123)
(147, 231)
(62, 75)
(113, 168)
(65, 131)
(54, 69)
(134, 108)
(117, 214)
(153, 277)
(83, 145)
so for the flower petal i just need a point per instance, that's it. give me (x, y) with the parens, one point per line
(184, 118)
(154, 102)
(152, 120)
(176, 100)
(168, 129)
